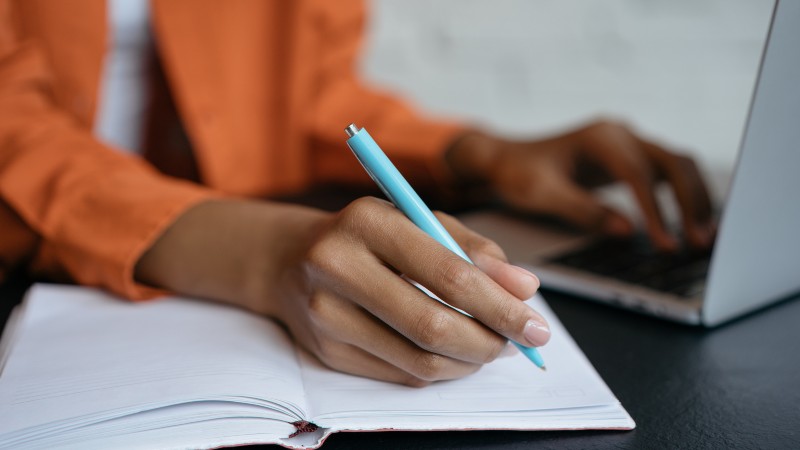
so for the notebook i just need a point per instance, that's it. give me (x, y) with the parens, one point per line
(83, 369)
(756, 253)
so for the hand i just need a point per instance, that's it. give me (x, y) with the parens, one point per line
(552, 176)
(334, 281)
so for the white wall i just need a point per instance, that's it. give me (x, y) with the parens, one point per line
(680, 71)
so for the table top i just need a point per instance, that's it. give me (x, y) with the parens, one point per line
(735, 386)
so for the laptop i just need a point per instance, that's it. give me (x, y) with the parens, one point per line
(755, 260)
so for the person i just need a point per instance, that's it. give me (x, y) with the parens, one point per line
(263, 91)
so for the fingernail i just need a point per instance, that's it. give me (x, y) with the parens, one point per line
(537, 333)
(508, 351)
(527, 274)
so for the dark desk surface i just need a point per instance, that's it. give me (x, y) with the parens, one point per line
(737, 386)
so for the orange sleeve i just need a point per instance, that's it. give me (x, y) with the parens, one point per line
(414, 143)
(94, 210)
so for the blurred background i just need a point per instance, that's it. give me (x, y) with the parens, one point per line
(679, 71)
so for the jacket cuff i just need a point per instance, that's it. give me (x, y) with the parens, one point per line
(113, 242)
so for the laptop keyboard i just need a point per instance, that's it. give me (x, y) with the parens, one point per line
(634, 261)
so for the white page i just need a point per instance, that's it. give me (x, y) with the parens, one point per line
(195, 425)
(82, 356)
(178, 372)
(10, 334)
(506, 388)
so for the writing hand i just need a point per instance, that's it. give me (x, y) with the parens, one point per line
(335, 281)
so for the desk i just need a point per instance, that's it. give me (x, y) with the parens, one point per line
(737, 386)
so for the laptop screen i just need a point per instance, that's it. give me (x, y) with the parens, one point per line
(756, 258)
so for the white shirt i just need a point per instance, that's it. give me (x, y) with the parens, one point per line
(123, 90)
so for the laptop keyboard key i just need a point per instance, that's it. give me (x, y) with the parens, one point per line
(636, 262)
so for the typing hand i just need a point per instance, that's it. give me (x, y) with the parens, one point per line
(552, 176)
(335, 281)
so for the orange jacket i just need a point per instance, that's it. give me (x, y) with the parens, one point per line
(264, 88)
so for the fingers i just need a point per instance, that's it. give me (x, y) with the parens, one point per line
(538, 178)
(519, 282)
(579, 207)
(491, 259)
(355, 361)
(355, 341)
(690, 191)
(616, 148)
(430, 325)
(407, 249)
(366, 319)
(466, 287)
(368, 278)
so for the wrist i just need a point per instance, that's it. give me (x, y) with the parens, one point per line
(472, 157)
(231, 251)
(277, 279)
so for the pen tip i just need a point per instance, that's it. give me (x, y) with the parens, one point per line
(544, 368)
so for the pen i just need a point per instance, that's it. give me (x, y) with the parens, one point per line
(399, 192)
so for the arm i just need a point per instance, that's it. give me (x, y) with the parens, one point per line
(554, 176)
(334, 281)
(550, 176)
(92, 210)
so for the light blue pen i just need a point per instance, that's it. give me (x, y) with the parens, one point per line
(397, 189)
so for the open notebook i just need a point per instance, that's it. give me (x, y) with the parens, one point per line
(83, 369)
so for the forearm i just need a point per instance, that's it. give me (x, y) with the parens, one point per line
(333, 281)
(232, 251)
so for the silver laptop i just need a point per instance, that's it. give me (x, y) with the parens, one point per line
(755, 260)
